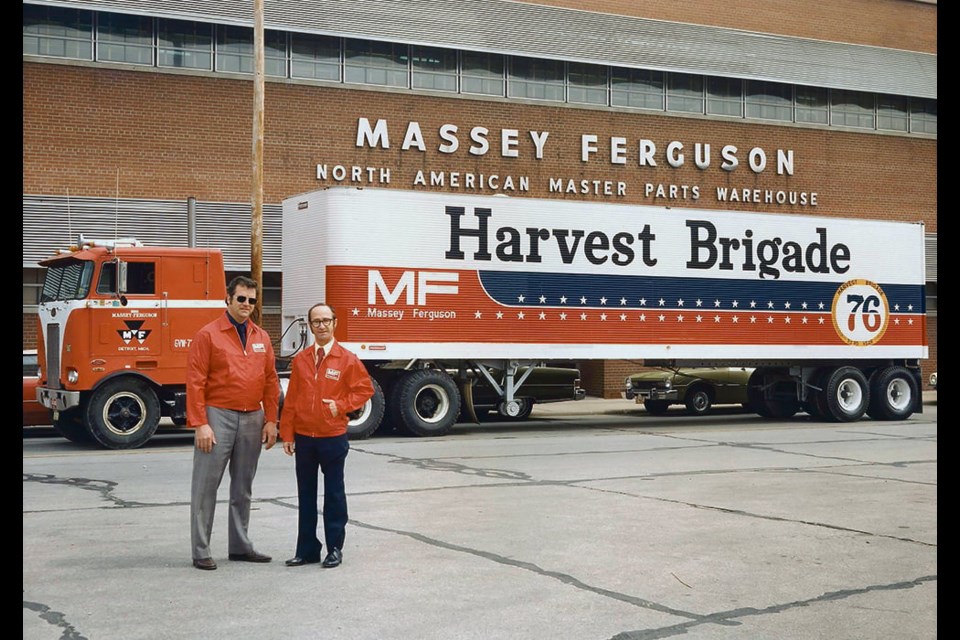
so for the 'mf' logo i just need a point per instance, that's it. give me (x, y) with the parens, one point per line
(133, 332)
(415, 284)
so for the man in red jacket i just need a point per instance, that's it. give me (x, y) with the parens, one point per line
(326, 383)
(233, 397)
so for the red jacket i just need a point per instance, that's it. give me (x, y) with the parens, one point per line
(221, 373)
(341, 378)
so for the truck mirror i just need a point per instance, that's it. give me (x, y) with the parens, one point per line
(121, 276)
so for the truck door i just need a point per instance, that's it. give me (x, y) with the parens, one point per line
(128, 322)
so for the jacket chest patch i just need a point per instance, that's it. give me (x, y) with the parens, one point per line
(333, 374)
(258, 347)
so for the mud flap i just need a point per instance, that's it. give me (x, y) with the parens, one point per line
(467, 412)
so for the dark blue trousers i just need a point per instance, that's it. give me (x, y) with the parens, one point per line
(315, 456)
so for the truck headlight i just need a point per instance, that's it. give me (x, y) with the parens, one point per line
(72, 376)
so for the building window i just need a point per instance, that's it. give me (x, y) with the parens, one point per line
(380, 63)
(923, 115)
(725, 97)
(32, 287)
(685, 93)
(481, 73)
(124, 38)
(892, 113)
(61, 33)
(235, 51)
(315, 57)
(184, 45)
(433, 68)
(852, 109)
(811, 105)
(636, 88)
(587, 83)
(536, 79)
(769, 101)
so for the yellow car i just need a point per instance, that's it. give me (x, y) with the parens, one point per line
(696, 388)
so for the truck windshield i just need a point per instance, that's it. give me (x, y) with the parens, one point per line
(68, 279)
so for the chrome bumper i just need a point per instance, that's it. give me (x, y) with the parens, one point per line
(58, 399)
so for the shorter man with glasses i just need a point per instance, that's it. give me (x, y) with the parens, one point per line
(326, 383)
(233, 397)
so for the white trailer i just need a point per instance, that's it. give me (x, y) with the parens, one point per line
(830, 311)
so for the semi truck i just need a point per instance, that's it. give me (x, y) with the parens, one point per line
(434, 291)
(116, 319)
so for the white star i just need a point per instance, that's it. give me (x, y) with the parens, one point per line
(769, 319)
(909, 320)
(786, 320)
(499, 315)
(909, 307)
(699, 302)
(896, 307)
(543, 299)
(520, 298)
(563, 316)
(736, 319)
(603, 301)
(699, 318)
(803, 305)
(356, 311)
(716, 303)
(680, 302)
(770, 304)
(583, 300)
(820, 306)
(543, 316)
(563, 299)
(662, 302)
(603, 317)
(716, 319)
(820, 319)
(623, 301)
(643, 317)
(660, 317)
(736, 304)
(520, 316)
(804, 321)
(680, 318)
(477, 314)
(623, 317)
(753, 304)
(643, 302)
(786, 305)
(583, 316)
(753, 319)
(896, 321)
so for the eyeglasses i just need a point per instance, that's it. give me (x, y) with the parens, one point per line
(242, 299)
(322, 322)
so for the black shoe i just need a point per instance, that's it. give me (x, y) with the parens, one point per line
(253, 556)
(207, 564)
(297, 561)
(333, 559)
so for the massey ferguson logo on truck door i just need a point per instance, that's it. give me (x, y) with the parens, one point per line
(133, 332)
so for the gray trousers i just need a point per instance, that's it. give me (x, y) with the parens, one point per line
(238, 445)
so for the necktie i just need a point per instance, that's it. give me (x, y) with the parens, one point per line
(319, 358)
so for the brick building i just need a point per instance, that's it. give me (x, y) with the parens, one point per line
(134, 108)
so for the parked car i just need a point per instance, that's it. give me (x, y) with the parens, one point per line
(34, 413)
(696, 388)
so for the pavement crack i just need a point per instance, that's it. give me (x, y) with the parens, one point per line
(56, 619)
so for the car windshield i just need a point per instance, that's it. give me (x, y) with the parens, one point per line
(67, 280)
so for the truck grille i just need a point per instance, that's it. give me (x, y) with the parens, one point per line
(52, 352)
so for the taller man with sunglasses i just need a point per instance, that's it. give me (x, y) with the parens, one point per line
(233, 394)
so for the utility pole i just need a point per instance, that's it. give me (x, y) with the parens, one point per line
(256, 235)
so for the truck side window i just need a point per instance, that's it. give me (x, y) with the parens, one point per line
(141, 278)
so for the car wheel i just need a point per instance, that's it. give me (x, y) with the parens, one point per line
(698, 401)
(656, 407)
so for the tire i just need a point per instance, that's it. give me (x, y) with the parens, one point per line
(524, 411)
(69, 424)
(776, 408)
(427, 401)
(179, 422)
(123, 413)
(846, 394)
(893, 393)
(366, 420)
(698, 401)
(656, 407)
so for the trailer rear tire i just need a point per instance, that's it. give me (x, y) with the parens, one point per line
(123, 413)
(427, 401)
(69, 424)
(893, 392)
(846, 394)
(366, 420)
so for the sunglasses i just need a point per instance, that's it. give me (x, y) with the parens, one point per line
(242, 299)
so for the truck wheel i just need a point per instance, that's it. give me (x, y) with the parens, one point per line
(123, 414)
(656, 407)
(893, 392)
(520, 411)
(846, 394)
(428, 402)
(698, 401)
(69, 424)
(365, 420)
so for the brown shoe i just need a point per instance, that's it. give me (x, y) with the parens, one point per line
(206, 564)
(253, 556)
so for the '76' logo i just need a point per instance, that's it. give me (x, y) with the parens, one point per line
(860, 312)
